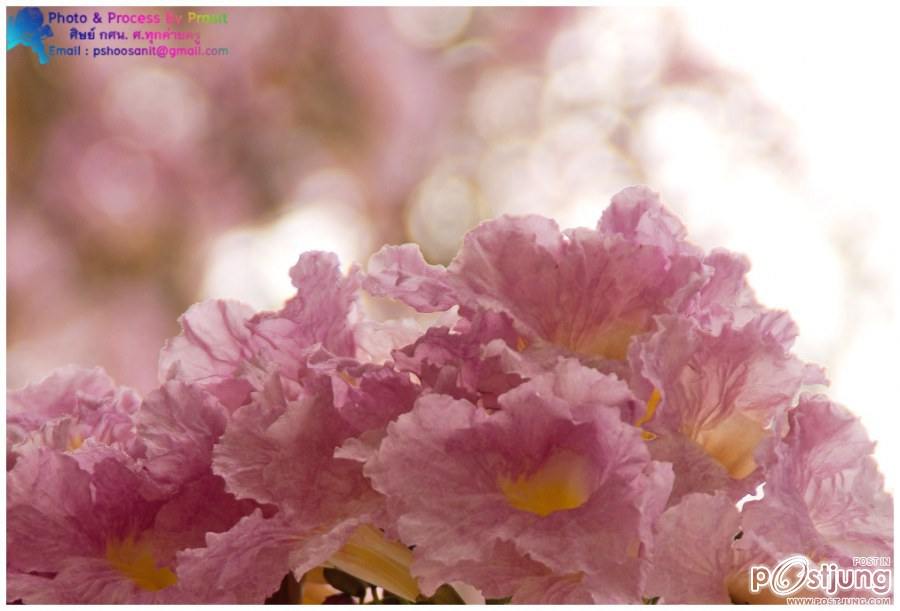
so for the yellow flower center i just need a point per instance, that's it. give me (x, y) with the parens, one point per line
(75, 442)
(134, 560)
(349, 379)
(731, 443)
(562, 482)
(608, 340)
(652, 404)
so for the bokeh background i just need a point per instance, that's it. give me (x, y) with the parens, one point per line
(137, 186)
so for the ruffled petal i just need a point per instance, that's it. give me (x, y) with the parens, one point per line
(49, 512)
(458, 362)
(214, 348)
(241, 566)
(281, 452)
(512, 574)
(400, 272)
(321, 313)
(245, 564)
(824, 496)
(67, 408)
(636, 214)
(80, 536)
(203, 506)
(365, 396)
(722, 392)
(554, 472)
(180, 424)
(693, 556)
(726, 298)
(581, 291)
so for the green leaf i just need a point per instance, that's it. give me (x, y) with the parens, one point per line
(498, 601)
(650, 601)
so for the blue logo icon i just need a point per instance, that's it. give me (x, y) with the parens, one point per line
(27, 28)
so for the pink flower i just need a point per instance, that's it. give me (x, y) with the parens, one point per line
(693, 559)
(214, 351)
(322, 313)
(466, 361)
(637, 215)
(179, 425)
(584, 292)
(68, 409)
(279, 450)
(402, 273)
(824, 496)
(713, 397)
(553, 479)
(77, 536)
(365, 395)
(726, 297)
(245, 564)
(229, 351)
(577, 428)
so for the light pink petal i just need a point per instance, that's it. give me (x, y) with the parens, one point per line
(60, 520)
(637, 214)
(460, 453)
(241, 566)
(455, 361)
(247, 563)
(376, 340)
(722, 392)
(214, 349)
(49, 512)
(694, 469)
(321, 313)
(510, 573)
(281, 452)
(400, 272)
(69, 407)
(580, 291)
(61, 393)
(692, 555)
(366, 396)
(180, 424)
(582, 388)
(705, 378)
(85, 581)
(824, 496)
(202, 506)
(124, 500)
(555, 590)
(25, 586)
(726, 298)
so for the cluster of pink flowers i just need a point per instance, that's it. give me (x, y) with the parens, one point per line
(576, 426)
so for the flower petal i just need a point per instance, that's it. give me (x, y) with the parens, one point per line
(692, 555)
(400, 272)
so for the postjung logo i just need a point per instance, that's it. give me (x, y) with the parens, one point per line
(796, 573)
(27, 28)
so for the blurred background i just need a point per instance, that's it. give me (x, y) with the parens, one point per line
(137, 186)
